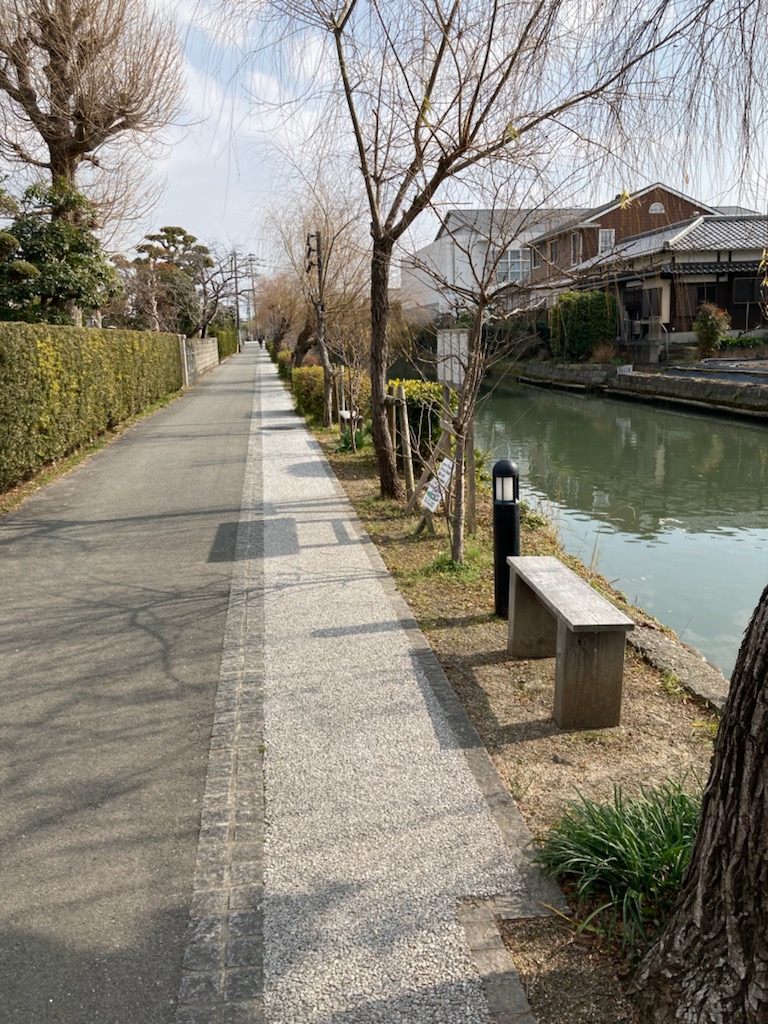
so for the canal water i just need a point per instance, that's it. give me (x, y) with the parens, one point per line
(671, 507)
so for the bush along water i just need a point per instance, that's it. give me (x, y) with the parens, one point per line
(710, 325)
(622, 861)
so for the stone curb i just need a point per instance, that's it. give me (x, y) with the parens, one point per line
(689, 668)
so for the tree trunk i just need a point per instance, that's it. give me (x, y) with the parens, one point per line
(710, 965)
(303, 343)
(389, 481)
(459, 504)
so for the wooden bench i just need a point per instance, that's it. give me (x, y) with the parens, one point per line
(554, 613)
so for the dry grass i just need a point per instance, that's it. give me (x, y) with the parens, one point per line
(664, 733)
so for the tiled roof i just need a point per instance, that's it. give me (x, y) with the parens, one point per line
(709, 233)
(724, 233)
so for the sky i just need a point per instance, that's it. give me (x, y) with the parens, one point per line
(216, 166)
(223, 169)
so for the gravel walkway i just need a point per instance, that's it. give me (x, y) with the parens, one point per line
(376, 828)
(350, 834)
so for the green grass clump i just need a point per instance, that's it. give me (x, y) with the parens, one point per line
(623, 860)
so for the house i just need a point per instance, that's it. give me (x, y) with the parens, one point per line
(660, 278)
(661, 252)
(556, 253)
(492, 246)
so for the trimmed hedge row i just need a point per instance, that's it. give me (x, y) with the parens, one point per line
(226, 339)
(307, 389)
(62, 386)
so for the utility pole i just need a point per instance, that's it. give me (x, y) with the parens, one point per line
(237, 297)
(315, 248)
(315, 259)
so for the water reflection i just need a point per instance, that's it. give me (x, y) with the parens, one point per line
(672, 505)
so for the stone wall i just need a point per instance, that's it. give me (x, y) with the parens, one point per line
(733, 396)
(589, 376)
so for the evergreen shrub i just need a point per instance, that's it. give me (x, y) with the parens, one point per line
(62, 386)
(710, 325)
(284, 359)
(307, 388)
(580, 321)
(424, 402)
(226, 339)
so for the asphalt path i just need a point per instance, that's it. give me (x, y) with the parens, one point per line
(114, 583)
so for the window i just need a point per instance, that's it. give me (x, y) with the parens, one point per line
(553, 252)
(606, 240)
(746, 289)
(706, 293)
(656, 208)
(513, 266)
(650, 302)
(575, 248)
(535, 258)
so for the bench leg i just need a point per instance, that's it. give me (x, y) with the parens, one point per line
(532, 629)
(588, 679)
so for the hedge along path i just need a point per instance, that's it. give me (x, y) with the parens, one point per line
(60, 387)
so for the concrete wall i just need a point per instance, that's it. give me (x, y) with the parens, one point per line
(198, 356)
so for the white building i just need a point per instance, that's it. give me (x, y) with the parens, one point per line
(472, 248)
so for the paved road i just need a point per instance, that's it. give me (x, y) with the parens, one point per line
(236, 786)
(114, 585)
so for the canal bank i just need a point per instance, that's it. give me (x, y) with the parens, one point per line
(738, 388)
(669, 503)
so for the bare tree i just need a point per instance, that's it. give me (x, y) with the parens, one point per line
(432, 89)
(321, 241)
(281, 305)
(710, 965)
(78, 77)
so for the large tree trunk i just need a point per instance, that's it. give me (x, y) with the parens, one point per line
(710, 965)
(303, 343)
(389, 481)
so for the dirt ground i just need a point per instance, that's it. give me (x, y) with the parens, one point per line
(664, 733)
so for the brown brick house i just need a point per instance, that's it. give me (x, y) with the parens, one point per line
(557, 254)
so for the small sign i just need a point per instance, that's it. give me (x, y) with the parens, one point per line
(437, 486)
(452, 354)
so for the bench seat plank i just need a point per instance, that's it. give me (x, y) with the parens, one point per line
(554, 613)
(567, 596)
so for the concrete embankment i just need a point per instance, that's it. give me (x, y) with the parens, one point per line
(704, 387)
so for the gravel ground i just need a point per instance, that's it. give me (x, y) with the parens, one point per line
(375, 828)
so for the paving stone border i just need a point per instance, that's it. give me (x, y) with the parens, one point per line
(222, 979)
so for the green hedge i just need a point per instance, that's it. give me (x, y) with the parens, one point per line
(582, 320)
(424, 401)
(62, 386)
(226, 339)
(307, 388)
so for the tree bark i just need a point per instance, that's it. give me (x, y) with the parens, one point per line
(710, 965)
(303, 343)
(389, 481)
(459, 504)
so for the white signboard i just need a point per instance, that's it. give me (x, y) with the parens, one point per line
(452, 352)
(432, 497)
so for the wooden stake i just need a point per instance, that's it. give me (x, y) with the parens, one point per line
(405, 440)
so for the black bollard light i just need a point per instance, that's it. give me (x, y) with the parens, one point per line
(506, 528)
